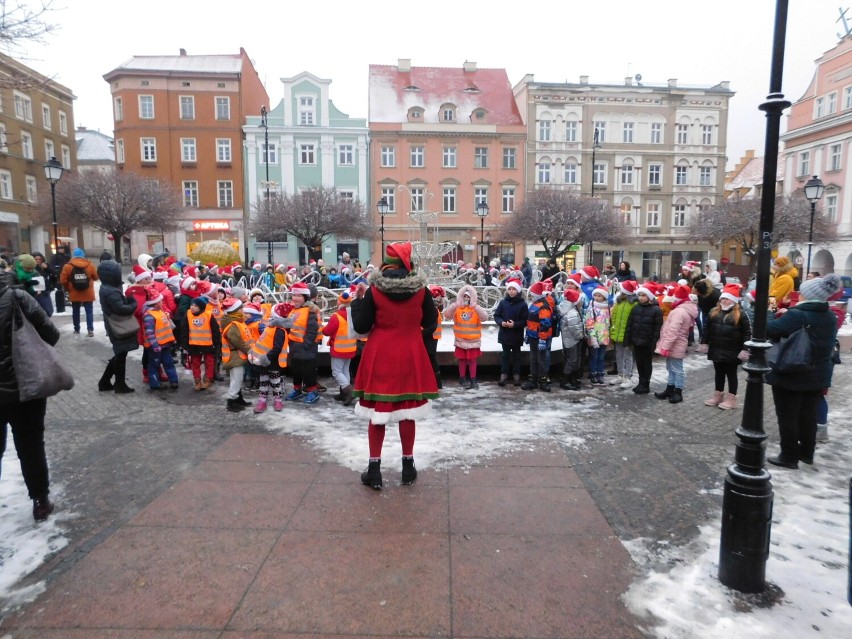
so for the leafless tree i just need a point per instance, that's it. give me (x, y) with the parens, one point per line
(559, 219)
(312, 215)
(737, 220)
(21, 24)
(117, 203)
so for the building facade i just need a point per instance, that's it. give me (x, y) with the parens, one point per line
(178, 119)
(36, 124)
(660, 158)
(818, 143)
(442, 141)
(311, 143)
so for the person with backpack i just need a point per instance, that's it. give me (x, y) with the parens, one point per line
(78, 277)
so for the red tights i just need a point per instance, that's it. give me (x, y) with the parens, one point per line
(469, 364)
(376, 437)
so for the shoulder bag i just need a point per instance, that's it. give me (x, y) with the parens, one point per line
(792, 354)
(122, 326)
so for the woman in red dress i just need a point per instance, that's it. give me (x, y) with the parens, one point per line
(395, 379)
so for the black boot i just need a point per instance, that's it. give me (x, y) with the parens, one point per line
(234, 406)
(372, 477)
(121, 386)
(438, 380)
(784, 461)
(409, 472)
(503, 379)
(105, 382)
(339, 396)
(516, 379)
(42, 507)
(677, 396)
(348, 398)
(642, 388)
(666, 393)
(544, 384)
(474, 384)
(530, 384)
(242, 400)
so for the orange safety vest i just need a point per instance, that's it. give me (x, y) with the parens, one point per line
(438, 330)
(254, 329)
(467, 324)
(267, 340)
(216, 311)
(300, 324)
(266, 309)
(342, 343)
(162, 329)
(200, 333)
(226, 346)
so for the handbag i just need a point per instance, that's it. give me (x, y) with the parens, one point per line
(792, 354)
(122, 326)
(39, 369)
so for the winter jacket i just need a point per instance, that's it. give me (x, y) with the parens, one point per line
(725, 339)
(644, 325)
(620, 314)
(514, 309)
(307, 348)
(113, 302)
(197, 349)
(570, 324)
(713, 276)
(37, 317)
(823, 333)
(597, 321)
(784, 282)
(675, 332)
(330, 330)
(233, 334)
(707, 303)
(473, 310)
(539, 320)
(74, 294)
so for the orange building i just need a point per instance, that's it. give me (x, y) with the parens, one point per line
(178, 119)
(444, 140)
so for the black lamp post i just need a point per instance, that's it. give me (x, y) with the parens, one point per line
(53, 172)
(595, 146)
(265, 125)
(382, 207)
(813, 192)
(482, 212)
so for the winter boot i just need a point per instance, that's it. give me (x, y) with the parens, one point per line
(516, 379)
(339, 396)
(642, 388)
(564, 383)
(242, 400)
(260, 405)
(145, 377)
(197, 386)
(474, 384)
(716, 399)
(234, 406)
(105, 382)
(503, 379)
(277, 403)
(530, 384)
(347, 395)
(729, 403)
(120, 385)
(438, 380)
(822, 432)
(409, 472)
(784, 460)
(677, 396)
(372, 477)
(42, 507)
(464, 382)
(666, 393)
(544, 384)
(206, 383)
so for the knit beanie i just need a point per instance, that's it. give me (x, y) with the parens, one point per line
(820, 288)
(26, 261)
(78, 252)
(200, 302)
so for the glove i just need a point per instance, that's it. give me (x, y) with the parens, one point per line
(545, 323)
(360, 290)
(703, 348)
(156, 348)
(664, 352)
(743, 355)
(286, 309)
(542, 344)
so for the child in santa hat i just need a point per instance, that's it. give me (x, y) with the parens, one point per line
(159, 337)
(303, 330)
(571, 326)
(673, 342)
(625, 302)
(511, 318)
(538, 334)
(236, 344)
(467, 317)
(642, 333)
(439, 298)
(202, 341)
(597, 323)
(269, 357)
(342, 346)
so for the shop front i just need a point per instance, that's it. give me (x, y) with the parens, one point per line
(204, 230)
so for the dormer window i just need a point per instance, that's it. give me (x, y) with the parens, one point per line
(415, 114)
(448, 113)
(411, 88)
(480, 115)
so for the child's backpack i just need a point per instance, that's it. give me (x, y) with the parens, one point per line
(79, 278)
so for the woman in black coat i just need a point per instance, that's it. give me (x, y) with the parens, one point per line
(113, 302)
(796, 394)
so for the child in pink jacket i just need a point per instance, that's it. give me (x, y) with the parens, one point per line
(672, 344)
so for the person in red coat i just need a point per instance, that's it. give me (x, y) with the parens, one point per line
(395, 380)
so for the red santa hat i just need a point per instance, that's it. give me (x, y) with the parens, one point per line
(252, 309)
(731, 292)
(140, 274)
(589, 272)
(571, 294)
(646, 290)
(300, 288)
(187, 283)
(437, 291)
(541, 288)
(227, 270)
(231, 304)
(212, 266)
(515, 284)
(190, 271)
(154, 298)
(752, 294)
(600, 290)
(680, 294)
(628, 287)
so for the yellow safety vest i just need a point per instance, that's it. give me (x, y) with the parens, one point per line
(267, 340)
(200, 333)
(467, 324)
(162, 329)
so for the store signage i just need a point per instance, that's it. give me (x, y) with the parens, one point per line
(211, 226)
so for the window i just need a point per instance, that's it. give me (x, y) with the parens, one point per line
(190, 193)
(272, 153)
(188, 150)
(679, 217)
(626, 212)
(819, 107)
(655, 175)
(418, 159)
(480, 157)
(388, 156)
(49, 150)
(682, 133)
(307, 154)
(627, 132)
(66, 156)
(680, 175)
(32, 189)
(306, 110)
(118, 109)
(627, 175)
(63, 123)
(23, 107)
(5, 185)
(4, 148)
(656, 133)
(146, 107)
(45, 116)
(346, 155)
(508, 199)
(570, 173)
(834, 162)
(418, 198)
(544, 173)
(805, 163)
(27, 145)
(847, 98)
(544, 130)
(226, 194)
(449, 157)
(449, 199)
(119, 151)
(448, 114)
(223, 150)
(704, 175)
(706, 134)
(149, 149)
(600, 127)
(571, 131)
(346, 195)
(599, 173)
(653, 219)
(480, 196)
(223, 108)
(509, 155)
(389, 193)
(187, 107)
(831, 208)
(832, 102)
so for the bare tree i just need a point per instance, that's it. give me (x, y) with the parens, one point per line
(311, 215)
(737, 220)
(559, 219)
(117, 203)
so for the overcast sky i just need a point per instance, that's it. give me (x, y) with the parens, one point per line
(697, 43)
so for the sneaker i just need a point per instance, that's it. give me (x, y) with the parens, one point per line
(627, 383)
(91, 333)
(311, 398)
(321, 388)
(293, 395)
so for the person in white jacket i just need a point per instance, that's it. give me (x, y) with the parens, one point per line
(571, 328)
(712, 274)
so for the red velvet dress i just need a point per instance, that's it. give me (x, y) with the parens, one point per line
(395, 378)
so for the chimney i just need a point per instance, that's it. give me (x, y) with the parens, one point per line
(672, 82)
(628, 81)
(404, 65)
(469, 67)
(183, 51)
(584, 79)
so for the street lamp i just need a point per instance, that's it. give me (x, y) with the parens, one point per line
(482, 212)
(813, 192)
(265, 125)
(53, 172)
(595, 146)
(382, 207)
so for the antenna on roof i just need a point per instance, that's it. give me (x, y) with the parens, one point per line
(638, 78)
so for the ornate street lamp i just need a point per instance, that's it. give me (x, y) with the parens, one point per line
(53, 172)
(595, 146)
(382, 207)
(813, 192)
(482, 212)
(265, 125)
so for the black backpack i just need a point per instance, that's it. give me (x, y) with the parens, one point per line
(79, 278)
